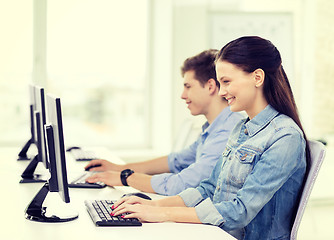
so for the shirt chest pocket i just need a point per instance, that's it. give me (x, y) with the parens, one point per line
(240, 165)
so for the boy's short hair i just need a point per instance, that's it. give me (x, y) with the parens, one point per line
(203, 64)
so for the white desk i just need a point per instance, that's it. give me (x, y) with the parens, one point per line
(15, 197)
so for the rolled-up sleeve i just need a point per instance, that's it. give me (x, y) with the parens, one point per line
(205, 209)
(191, 197)
(208, 213)
(177, 161)
(200, 198)
(172, 184)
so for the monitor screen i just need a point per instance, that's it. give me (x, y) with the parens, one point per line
(40, 120)
(32, 105)
(22, 155)
(54, 120)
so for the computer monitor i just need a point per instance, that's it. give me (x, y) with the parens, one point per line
(32, 107)
(40, 107)
(39, 120)
(56, 189)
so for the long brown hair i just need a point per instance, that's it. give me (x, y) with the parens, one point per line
(252, 52)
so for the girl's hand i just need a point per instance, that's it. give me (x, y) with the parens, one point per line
(135, 207)
(134, 200)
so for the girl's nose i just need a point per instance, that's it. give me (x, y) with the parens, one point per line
(222, 91)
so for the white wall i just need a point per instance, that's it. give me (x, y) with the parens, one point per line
(189, 38)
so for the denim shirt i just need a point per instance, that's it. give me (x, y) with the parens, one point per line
(190, 166)
(253, 190)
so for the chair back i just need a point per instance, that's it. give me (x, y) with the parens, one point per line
(188, 133)
(182, 135)
(317, 150)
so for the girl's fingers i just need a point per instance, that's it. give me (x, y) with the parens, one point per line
(128, 200)
(119, 202)
(120, 210)
(130, 215)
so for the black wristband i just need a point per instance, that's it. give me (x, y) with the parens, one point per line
(124, 175)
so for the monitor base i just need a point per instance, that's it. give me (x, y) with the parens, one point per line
(35, 179)
(43, 218)
(52, 218)
(49, 207)
(25, 158)
(28, 175)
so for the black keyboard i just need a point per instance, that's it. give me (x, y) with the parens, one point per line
(99, 211)
(80, 182)
(83, 155)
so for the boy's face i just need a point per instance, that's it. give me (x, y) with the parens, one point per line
(196, 96)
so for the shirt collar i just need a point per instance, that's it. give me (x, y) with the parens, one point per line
(221, 118)
(260, 120)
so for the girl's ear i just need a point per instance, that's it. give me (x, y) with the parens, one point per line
(259, 77)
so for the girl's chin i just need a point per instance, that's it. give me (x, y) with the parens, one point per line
(234, 108)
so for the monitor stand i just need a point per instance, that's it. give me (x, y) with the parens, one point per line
(28, 175)
(47, 206)
(22, 156)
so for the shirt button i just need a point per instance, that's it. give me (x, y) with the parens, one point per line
(243, 157)
(246, 132)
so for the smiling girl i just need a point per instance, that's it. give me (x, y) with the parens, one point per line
(254, 189)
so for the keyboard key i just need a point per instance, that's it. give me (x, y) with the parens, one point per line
(100, 210)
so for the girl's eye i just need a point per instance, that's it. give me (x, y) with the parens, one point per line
(224, 81)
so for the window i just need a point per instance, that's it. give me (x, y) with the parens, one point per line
(15, 70)
(97, 63)
(94, 56)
